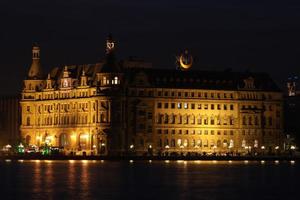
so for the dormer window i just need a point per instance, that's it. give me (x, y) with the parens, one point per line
(104, 80)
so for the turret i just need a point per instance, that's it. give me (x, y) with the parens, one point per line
(35, 71)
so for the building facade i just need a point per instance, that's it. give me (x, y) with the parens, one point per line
(9, 120)
(118, 108)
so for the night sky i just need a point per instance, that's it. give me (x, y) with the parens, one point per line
(242, 35)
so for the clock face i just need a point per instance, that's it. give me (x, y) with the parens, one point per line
(65, 83)
(110, 45)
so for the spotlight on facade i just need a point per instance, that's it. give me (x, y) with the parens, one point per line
(94, 146)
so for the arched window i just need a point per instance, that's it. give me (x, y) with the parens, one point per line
(219, 143)
(185, 143)
(173, 143)
(116, 80)
(243, 143)
(27, 139)
(83, 140)
(104, 80)
(63, 140)
(179, 142)
(166, 143)
(28, 121)
(225, 144)
(199, 143)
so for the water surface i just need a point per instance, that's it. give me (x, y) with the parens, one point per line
(149, 180)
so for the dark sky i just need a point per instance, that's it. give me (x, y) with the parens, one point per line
(242, 35)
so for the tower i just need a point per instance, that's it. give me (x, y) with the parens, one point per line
(291, 85)
(35, 71)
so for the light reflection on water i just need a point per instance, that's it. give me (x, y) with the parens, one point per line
(147, 179)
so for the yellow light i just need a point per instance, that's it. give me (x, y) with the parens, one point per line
(214, 161)
(150, 146)
(230, 161)
(7, 160)
(20, 161)
(179, 161)
(262, 147)
(167, 161)
(131, 146)
(71, 161)
(73, 137)
(39, 137)
(37, 161)
(48, 161)
(84, 161)
(150, 161)
(246, 161)
(277, 147)
(197, 161)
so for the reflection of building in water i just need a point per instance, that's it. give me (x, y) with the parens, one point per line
(9, 120)
(112, 108)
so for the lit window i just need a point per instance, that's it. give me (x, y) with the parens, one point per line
(116, 80)
(179, 105)
(185, 106)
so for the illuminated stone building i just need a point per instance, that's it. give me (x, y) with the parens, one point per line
(125, 107)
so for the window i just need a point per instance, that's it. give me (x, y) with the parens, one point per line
(116, 80)
(28, 108)
(179, 105)
(193, 106)
(166, 105)
(159, 93)
(199, 106)
(185, 105)
(158, 131)
(205, 106)
(225, 107)
(172, 105)
(219, 107)
(158, 105)
(212, 106)
(231, 107)
(28, 121)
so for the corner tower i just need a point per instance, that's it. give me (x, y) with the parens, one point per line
(35, 71)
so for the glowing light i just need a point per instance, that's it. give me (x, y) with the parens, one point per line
(48, 161)
(73, 137)
(131, 146)
(277, 147)
(150, 161)
(179, 161)
(94, 146)
(102, 161)
(167, 161)
(37, 161)
(246, 161)
(7, 160)
(262, 162)
(276, 161)
(262, 147)
(150, 146)
(167, 147)
(102, 144)
(20, 161)
(71, 161)
(229, 161)
(214, 161)
(292, 162)
(293, 147)
(197, 161)
(131, 161)
(84, 161)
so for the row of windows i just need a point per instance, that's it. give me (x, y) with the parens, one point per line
(198, 143)
(66, 120)
(195, 106)
(193, 132)
(191, 119)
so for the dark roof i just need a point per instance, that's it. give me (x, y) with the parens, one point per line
(217, 80)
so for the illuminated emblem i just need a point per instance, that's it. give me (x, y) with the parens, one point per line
(185, 61)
